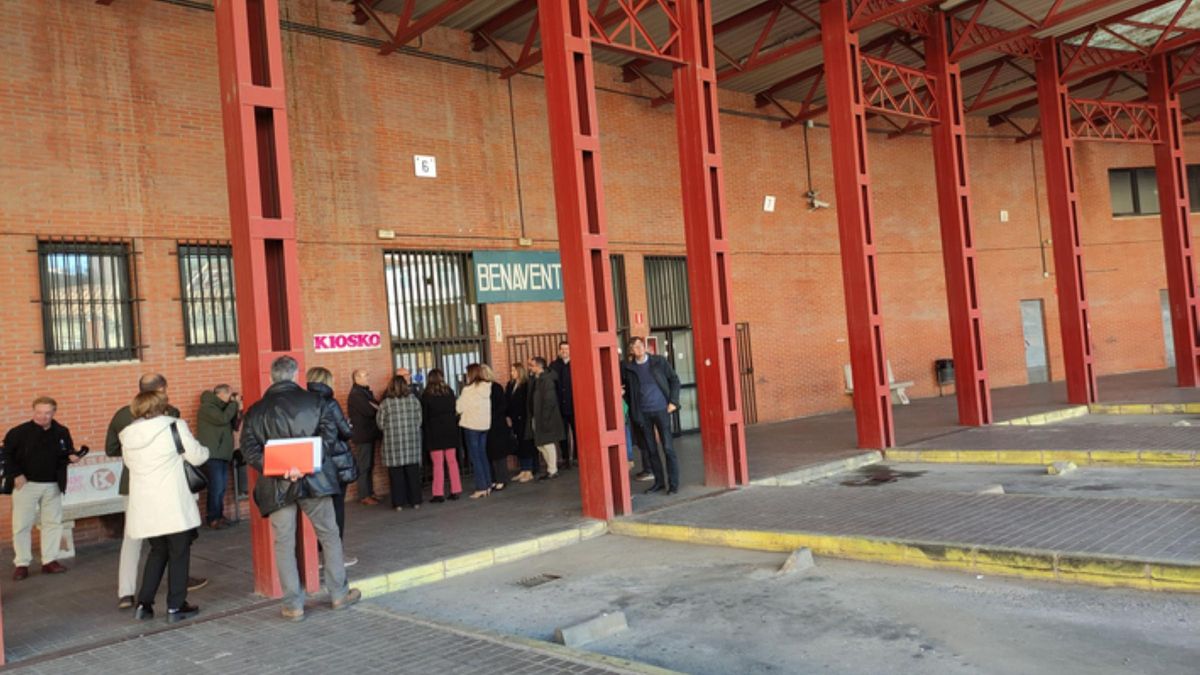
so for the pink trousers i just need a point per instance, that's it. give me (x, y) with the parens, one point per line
(449, 456)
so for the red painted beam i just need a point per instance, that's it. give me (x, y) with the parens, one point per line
(957, 228)
(886, 10)
(706, 231)
(997, 118)
(852, 187)
(258, 171)
(1054, 17)
(1171, 170)
(583, 244)
(497, 22)
(407, 32)
(1058, 150)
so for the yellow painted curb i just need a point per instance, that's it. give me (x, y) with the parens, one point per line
(1047, 566)
(428, 573)
(1144, 408)
(1144, 458)
(1045, 418)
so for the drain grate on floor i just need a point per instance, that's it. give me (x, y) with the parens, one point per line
(534, 582)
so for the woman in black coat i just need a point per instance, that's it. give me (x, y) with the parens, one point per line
(439, 423)
(320, 382)
(499, 439)
(517, 393)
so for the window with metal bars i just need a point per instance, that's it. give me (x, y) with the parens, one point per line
(667, 292)
(620, 301)
(434, 317)
(88, 312)
(208, 300)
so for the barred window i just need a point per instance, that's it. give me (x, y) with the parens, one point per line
(88, 313)
(207, 295)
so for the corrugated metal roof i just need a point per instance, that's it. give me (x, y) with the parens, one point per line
(789, 28)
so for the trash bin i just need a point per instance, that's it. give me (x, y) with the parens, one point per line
(944, 371)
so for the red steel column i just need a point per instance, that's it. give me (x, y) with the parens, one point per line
(1176, 226)
(263, 229)
(583, 244)
(1058, 149)
(696, 117)
(958, 236)
(852, 187)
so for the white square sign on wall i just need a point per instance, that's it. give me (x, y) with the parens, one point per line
(425, 166)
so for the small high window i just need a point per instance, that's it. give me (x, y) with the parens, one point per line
(1134, 192)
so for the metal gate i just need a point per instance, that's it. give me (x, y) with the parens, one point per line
(434, 318)
(521, 348)
(746, 371)
(670, 318)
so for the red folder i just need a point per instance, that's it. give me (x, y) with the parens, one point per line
(282, 455)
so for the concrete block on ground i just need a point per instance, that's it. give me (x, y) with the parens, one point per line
(595, 628)
(800, 559)
(991, 490)
(1059, 468)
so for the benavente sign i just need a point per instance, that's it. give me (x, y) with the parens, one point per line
(346, 342)
(517, 276)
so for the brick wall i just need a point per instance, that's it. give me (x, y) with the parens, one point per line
(110, 127)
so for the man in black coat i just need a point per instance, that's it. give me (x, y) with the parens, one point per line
(36, 457)
(361, 407)
(652, 389)
(544, 425)
(288, 411)
(566, 403)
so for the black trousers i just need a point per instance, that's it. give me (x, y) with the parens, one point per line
(173, 552)
(661, 420)
(567, 447)
(364, 457)
(500, 470)
(339, 510)
(406, 484)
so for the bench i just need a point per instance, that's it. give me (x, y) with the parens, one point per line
(91, 492)
(899, 389)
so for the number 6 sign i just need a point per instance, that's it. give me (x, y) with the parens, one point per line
(425, 165)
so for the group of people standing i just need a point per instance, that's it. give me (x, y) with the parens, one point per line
(531, 417)
(492, 421)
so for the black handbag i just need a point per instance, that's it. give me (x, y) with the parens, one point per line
(196, 479)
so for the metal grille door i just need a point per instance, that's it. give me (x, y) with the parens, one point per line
(746, 371)
(671, 329)
(620, 302)
(434, 318)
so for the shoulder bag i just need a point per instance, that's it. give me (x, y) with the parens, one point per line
(196, 479)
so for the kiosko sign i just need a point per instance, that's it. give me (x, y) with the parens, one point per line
(346, 342)
(517, 276)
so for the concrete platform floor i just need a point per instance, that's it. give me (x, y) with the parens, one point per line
(1087, 481)
(709, 610)
(47, 614)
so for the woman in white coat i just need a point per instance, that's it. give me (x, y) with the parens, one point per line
(162, 509)
(474, 408)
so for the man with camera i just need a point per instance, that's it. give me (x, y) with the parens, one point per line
(37, 454)
(214, 430)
